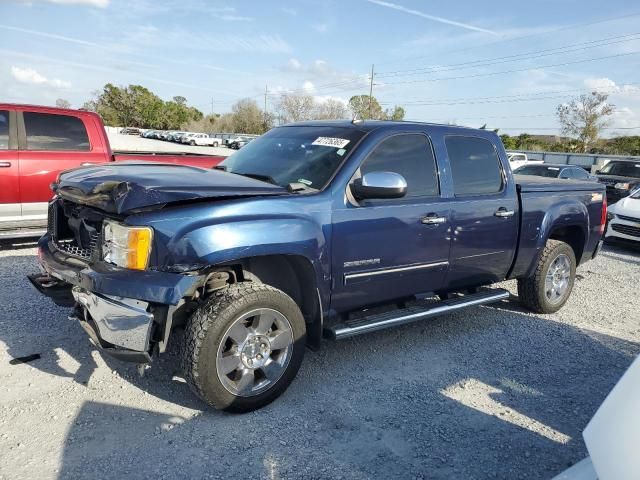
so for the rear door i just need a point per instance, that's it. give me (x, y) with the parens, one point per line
(49, 143)
(387, 249)
(10, 210)
(484, 216)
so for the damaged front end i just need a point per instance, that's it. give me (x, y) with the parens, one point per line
(126, 313)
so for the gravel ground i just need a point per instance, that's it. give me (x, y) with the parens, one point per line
(491, 392)
(133, 143)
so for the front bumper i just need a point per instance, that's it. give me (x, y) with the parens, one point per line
(121, 310)
(623, 229)
(121, 322)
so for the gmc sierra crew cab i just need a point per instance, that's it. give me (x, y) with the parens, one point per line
(36, 143)
(316, 229)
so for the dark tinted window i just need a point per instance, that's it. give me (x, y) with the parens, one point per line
(55, 132)
(4, 129)
(623, 169)
(474, 165)
(412, 157)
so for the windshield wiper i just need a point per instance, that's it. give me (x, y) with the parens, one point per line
(295, 187)
(257, 176)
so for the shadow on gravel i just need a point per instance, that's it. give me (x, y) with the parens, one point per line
(486, 393)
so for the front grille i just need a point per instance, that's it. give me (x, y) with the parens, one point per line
(70, 247)
(629, 219)
(75, 230)
(52, 218)
(626, 229)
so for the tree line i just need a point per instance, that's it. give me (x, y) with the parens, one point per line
(137, 106)
(582, 119)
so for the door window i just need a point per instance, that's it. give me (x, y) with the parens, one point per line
(55, 132)
(411, 156)
(4, 130)
(475, 166)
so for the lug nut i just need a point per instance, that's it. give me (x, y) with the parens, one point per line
(259, 357)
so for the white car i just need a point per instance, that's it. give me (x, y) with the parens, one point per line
(517, 160)
(196, 139)
(624, 218)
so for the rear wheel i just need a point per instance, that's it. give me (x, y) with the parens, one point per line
(550, 286)
(243, 347)
(215, 144)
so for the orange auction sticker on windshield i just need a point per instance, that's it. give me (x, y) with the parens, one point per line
(331, 142)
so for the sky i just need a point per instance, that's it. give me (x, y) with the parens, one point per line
(507, 64)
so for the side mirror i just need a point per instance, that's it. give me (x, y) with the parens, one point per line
(379, 185)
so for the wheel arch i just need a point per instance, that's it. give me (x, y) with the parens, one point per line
(296, 276)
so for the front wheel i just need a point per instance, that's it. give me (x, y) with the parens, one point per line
(192, 143)
(550, 286)
(243, 347)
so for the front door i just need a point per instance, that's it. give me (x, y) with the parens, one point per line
(10, 209)
(390, 249)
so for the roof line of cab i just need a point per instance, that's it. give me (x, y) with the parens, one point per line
(370, 125)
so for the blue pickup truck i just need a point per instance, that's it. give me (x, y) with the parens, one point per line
(314, 230)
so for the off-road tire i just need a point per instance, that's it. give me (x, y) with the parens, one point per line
(206, 329)
(532, 291)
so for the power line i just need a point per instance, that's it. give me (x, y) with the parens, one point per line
(513, 39)
(514, 58)
(523, 97)
(489, 74)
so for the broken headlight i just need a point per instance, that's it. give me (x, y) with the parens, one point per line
(125, 246)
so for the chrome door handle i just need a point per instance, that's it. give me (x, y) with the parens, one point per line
(5, 164)
(433, 220)
(503, 212)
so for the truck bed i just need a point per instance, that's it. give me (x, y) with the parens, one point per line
(530, 183)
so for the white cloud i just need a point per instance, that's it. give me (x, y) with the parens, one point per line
(308, 87)
(417, 13)
(606, 85)
(31, 76)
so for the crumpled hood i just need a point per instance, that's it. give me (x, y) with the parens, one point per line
(125, 187)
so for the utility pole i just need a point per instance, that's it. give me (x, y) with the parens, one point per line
(212, 106)
(266, 90)
(371, 93)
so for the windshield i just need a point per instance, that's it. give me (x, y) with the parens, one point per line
(538, 170)
(284, 155)
(635, 193)
(623, 169)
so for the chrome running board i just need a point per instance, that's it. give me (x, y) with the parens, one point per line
(371, 323)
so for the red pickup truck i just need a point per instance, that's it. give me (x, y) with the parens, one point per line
(36, 143)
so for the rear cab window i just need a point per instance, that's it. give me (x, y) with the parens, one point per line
(47, 131)
(475, 166)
